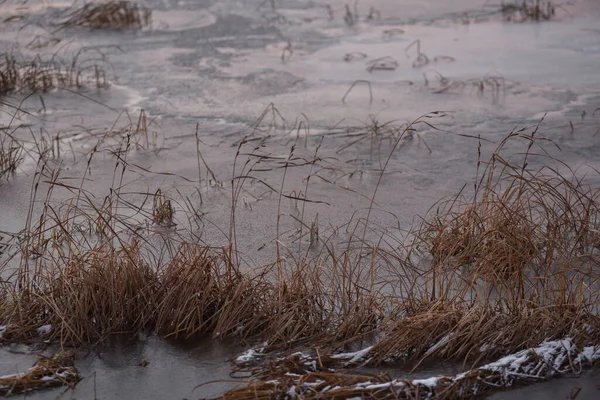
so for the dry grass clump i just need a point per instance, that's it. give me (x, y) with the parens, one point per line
(110, 290)
(474, 334)
(106, 290)
(28, 76)
(94, 294)
(79, 277)
(528, 10)
(436, 332)
(204, 292)
(112, 14)
(193, 289)
(162, 210)
(57, 370)
(532, 231)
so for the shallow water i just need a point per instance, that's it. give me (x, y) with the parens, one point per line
(219, 65)
(173, 370)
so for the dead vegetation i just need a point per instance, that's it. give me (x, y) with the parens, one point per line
(506, 267)
(111, 14)
(306, 377)
(521, 224)
(56, 370)
(492, 83)
(514, 269)
(528, 10)
(382, 64)
(348, 57)
(422, 59)
(42, 74)
(351, 15)
(162, 210)
(10, 152)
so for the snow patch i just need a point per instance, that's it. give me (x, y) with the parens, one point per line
(440, 343)
(251, 354)
(355, 356)
(44, 330)
(589, 354)
(429, 382)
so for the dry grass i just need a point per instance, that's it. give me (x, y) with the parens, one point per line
(491, 83)
(514, 265)
(531, 232)
(528, 10)
(192, 290)
(57, 370)
(162, 210)
(499, 269)
(10, 152)
(96, 294)
(422, 59)
(111, 14)
(43, 75)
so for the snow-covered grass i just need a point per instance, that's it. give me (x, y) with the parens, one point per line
(355, 357)
(549, 359)
(44, 330)
(57, 370)
(251, 355)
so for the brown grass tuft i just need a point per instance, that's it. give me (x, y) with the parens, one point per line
(95, 294)
(112, 14)
(508, 266)
(528, 232)
(193, 289)
(39, 75)
(528, 10)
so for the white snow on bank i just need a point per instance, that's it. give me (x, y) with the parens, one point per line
(549, 358)
(354, 357)
(41, 331)
(429, 382)
(440, 343)
(44, 330)
(553, 353)
(56, 377)
(589, 354)
(251, 354)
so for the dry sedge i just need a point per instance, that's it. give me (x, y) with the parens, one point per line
(162, 210)
(494, 84)
(509, 266)
(10, 153)
(41, 75)
(513, 269)
(112, 14)
(528, 10)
